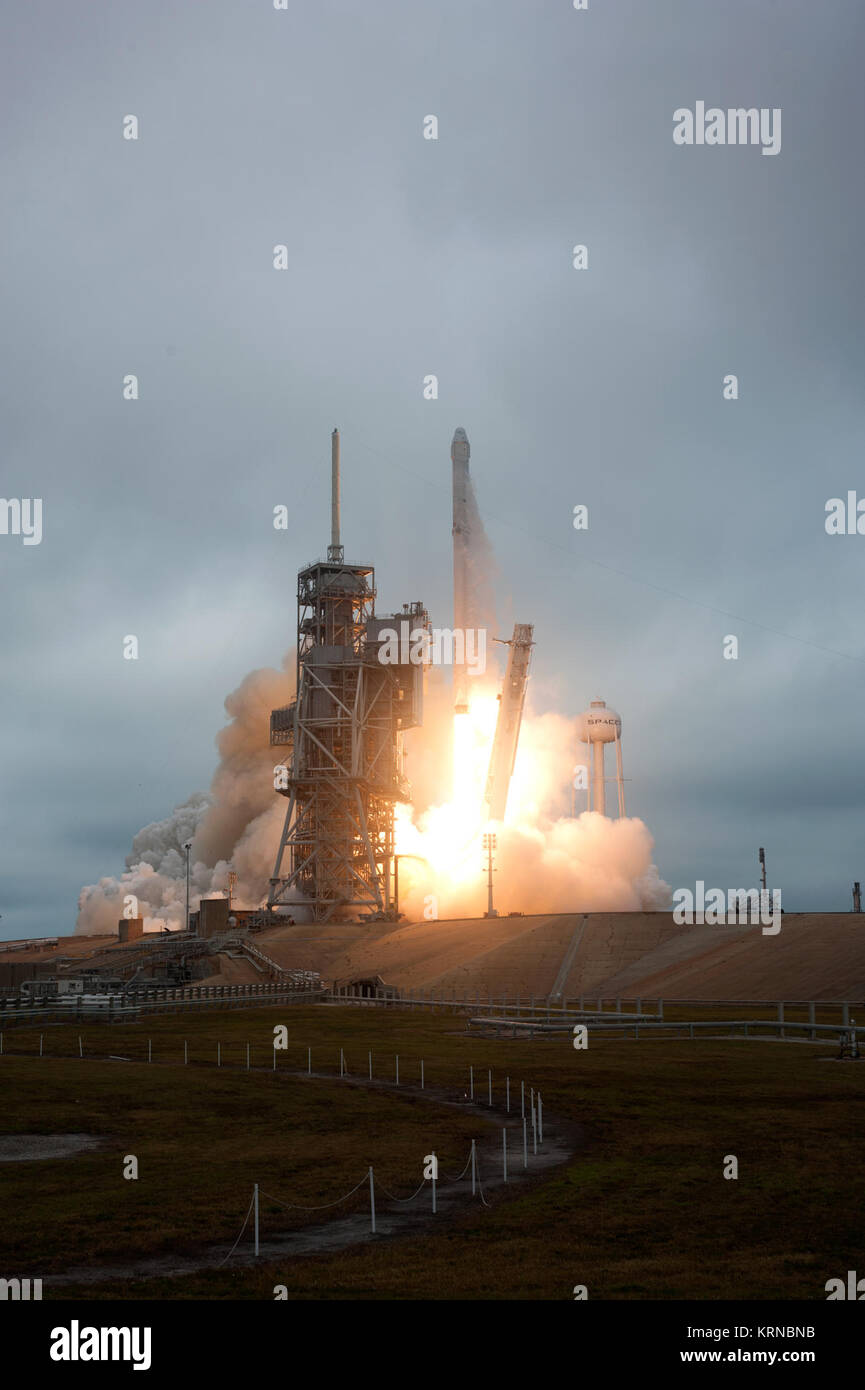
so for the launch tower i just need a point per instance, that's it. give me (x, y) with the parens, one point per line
(342, 735)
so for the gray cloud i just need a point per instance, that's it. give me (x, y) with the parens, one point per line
(408, 257)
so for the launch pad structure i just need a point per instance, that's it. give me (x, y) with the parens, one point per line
(343, 772)
(510, 717)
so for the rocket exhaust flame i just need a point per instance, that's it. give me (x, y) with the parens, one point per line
(547, 860)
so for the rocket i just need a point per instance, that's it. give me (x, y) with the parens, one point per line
(460, 453)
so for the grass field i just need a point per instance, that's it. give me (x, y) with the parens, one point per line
(640, 1211)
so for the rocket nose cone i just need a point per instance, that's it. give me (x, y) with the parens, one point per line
(460, 451)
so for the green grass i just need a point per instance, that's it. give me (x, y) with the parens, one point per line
(642, 1210)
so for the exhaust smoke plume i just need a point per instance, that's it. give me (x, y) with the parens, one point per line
(237, 825)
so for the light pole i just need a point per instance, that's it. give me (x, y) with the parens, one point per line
(232, 884)
(489, 846)
(187, 847)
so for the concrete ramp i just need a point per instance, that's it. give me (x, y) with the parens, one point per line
(566, 965)
(567, 953)
(814, 956)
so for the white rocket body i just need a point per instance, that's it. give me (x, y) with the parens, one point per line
(460, 453)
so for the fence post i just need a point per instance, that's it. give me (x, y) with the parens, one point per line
(256, 1217)
(845, 1015)
(471, 1083)
(508, 1094)
(525, 1145)
(473, 1168)
(540, 1118)
(660, 1008)
(435, 1165)
(185, 1053)
(505, 1153)
(80, 1046)
(372, 1199)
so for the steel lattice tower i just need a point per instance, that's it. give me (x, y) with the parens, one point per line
(343, 735)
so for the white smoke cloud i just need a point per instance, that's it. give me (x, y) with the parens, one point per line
(236, 825)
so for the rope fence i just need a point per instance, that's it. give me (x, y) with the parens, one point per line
(473, 1162)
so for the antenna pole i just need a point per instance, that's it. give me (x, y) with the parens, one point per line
(334, 550)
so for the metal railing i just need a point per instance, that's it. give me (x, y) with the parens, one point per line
(303, 986)
(626, 1024)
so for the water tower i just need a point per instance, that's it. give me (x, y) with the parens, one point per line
(599, 726)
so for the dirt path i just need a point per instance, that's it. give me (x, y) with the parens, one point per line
(393, 1220)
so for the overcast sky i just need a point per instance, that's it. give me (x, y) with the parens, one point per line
(408, 257)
